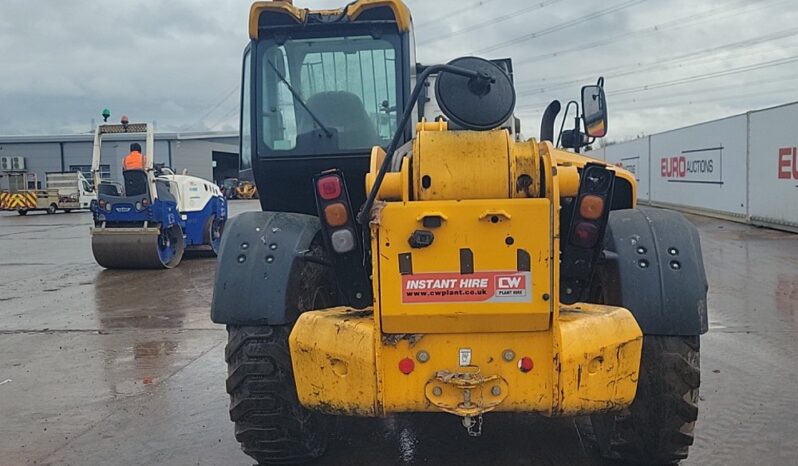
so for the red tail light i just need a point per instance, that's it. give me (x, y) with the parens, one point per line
(585, 235)
(102, 203)
(329, 187)
(145, 202)
(586, 231)
(342, 236)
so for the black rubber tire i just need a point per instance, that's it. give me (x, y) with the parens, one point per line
(66, 211)
(658, 427)
(270, 423)
(22, 212)
(52, 208)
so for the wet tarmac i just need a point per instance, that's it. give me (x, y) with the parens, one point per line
(114, 367)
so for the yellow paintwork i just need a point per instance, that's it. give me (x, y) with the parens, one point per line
(467, 224)
(599, 358)
(568, 159)
(585, 356)
(461, 165)
(336, 370)
(393, 187)
(246, 190)
(569, 180)
(332, 353)
(353, 11)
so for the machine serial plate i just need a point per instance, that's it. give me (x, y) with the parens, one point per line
(465, 357)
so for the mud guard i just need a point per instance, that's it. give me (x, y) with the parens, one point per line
(653, 267)
(260, 257)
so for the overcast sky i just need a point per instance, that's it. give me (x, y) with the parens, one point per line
(667, 63)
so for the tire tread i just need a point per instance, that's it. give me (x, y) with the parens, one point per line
(658, 427)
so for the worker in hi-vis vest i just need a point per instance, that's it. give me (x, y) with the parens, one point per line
(135, 160)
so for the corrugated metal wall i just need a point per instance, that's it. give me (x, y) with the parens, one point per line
(743, 167)
(193, 155)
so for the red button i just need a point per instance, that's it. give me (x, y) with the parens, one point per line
(525, 364)
(406, 366)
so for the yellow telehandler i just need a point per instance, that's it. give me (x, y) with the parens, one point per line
(414, 254)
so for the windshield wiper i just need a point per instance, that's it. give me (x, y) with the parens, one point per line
(299, 99)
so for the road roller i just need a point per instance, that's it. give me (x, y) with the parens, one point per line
(420, 258)
(155, 215)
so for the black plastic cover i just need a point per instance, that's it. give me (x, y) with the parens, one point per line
(473, 109)
(654, 268)
(259, 262)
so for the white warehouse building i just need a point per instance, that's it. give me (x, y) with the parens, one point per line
(743, 167)
(24, 160)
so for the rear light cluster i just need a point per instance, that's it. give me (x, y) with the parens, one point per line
(584, 242)
(342, 237)
(335, 212)
(106, 206)
(143, 204)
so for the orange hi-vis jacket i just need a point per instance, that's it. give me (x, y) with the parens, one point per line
(134, 161)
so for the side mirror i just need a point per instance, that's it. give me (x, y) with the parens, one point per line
(594, 111)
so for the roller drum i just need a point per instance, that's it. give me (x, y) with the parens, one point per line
(137, 248)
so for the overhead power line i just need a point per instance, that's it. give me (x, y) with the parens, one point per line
(666, 63)
(218, 104)
(689, 98)
(224, 117)
(491, 22)
(689, 79)
(561, 26)
(453, 14)
(725, 10)
(704, 76)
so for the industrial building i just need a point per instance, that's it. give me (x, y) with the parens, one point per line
(24, 160)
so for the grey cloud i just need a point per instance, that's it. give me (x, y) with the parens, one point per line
(175, 61)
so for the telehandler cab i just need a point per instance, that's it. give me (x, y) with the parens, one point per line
(418, 259)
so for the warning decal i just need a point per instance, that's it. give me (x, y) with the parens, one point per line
(474, 287)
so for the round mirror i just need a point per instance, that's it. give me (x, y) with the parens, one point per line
(470, 104)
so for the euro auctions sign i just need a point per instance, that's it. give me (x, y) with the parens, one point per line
(701, 165)
(788, 163)
(467, 288)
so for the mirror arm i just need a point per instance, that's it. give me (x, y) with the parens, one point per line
(478, 81)
(564, 117)
(577, 130)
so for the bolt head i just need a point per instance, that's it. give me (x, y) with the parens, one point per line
(437, 391)
(508, 355)
(496, 390)
(422, 356)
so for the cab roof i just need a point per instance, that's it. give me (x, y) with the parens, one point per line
(285, 10)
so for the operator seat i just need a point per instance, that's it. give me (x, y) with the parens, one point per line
(345, 112)
(135, 182)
